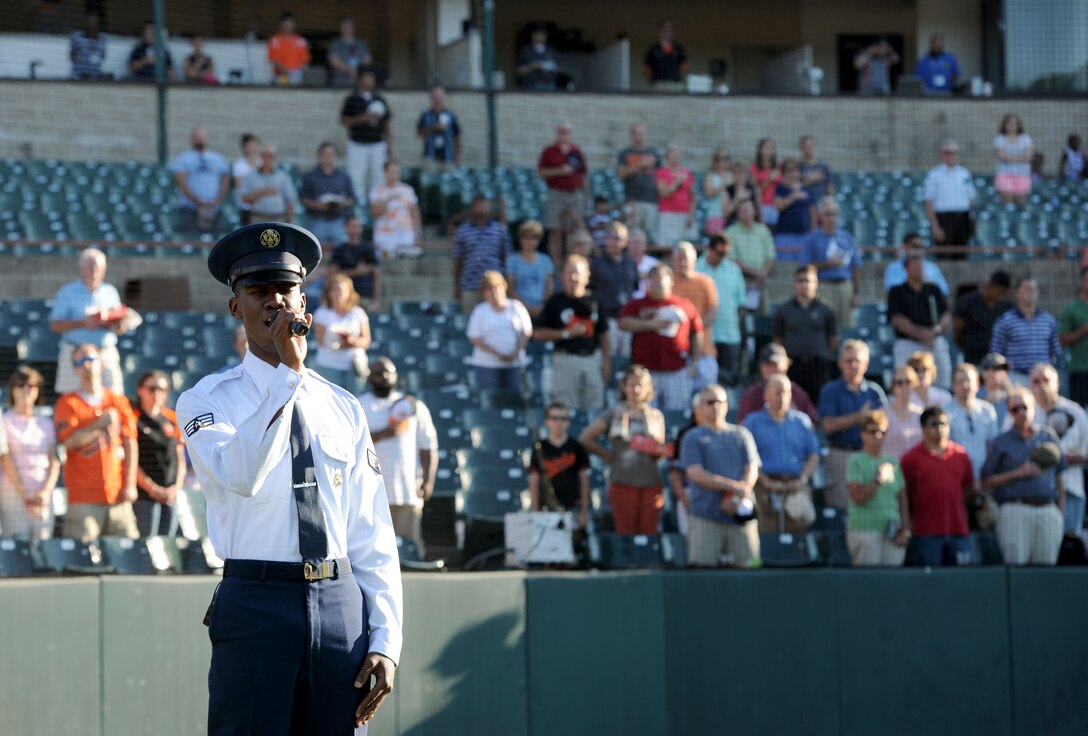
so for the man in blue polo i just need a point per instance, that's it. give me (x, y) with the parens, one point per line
(1026, 335)
(844, 404)
(789, 453)
(837, 259)
(938, 70)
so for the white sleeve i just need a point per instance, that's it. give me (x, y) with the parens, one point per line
(475, 323)
(3, 434)
(237, 458)
(426, 435)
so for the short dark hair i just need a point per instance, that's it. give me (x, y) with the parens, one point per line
(327, 144)
(249, 137)
(557, 405)
(286, 15)
(1001, 279)
(931, 412)
(808, 268)
(366, 69)
(1005, 121)
(911, 236)
(720, 239)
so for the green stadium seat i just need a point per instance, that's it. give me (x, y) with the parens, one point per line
(164, 554)
(197, 556)
(412, 561)
(611, 551)
(504, 458)
(71, 557)
(15, 559)
(507, 436)
(127, 556)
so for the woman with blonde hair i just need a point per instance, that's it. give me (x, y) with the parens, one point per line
(636, 436)
(529, 272)
(342, 330)
(903, 430)
(925, 393)
(499, 328)
(29, 461)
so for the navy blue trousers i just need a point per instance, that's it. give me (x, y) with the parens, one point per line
(285, 654)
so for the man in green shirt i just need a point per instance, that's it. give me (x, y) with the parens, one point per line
(753, 250)
(1072, 331)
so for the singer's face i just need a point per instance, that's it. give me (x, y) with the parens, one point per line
(256, 306)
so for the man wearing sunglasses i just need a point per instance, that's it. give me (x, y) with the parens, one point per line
(96, 426)
(1069, 422)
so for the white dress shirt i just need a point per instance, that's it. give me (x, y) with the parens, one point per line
(399, 455)
(949, 188)
(243, 461)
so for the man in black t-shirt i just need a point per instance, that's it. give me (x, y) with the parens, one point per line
(919, 313)
(565, 465)
(141, 61)
(582, 360)
(976, 313)
(666, 61)
(359, 261)
(366, 116)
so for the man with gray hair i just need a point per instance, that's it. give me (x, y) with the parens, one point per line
(1070, 423)
(88, 311)
(950, 196)
(564, 169)
(269, 191)
(837, 259)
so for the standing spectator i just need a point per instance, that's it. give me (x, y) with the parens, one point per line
(366, 116)
(903, 431)
(269, 191)
(1014, 151)
(844, 405)
(668, 334)
(30, 463)
(480, 244)
(406, 443)
(347, 54)
(327, 196)
(1073, 325)
(815, 174)
(837, 260)
(242, 167)
(719, 206)
(440, 131)
(560, 464)
(721, 465)
(85, 311)
(613, 279)
(87, 49)
(919, 313)
(678, 484)
(199, 68)
(581, 243)
(359, 261)
(636, 249)
(636, 436)
(805, 326)
(141, 61)
(875, 533)
(718, 265)
(1024, 467)
(950, 197)
(789, 454)
(896, 272)
(938, 70)
(202, 180)
(563, 168)
(599, 220)
(1026, 335)
(537, 65)
(773, 361)
(160, 472)
(766, 175)
(940, 483)
(288, 53)
(97, 428)
(740, 191)
(398, 226)
(666, 62)
(529, 271)
(753, 250)
(973, 422)
(582, 356)
(874, 64)
(696, 287)
(996, 385)
(498, 329)
(795, 213)
(925, 393)
(1070, 424)
(676, 200)
(976, 314)
(342, 332)
(1073, 165)
(636, 166)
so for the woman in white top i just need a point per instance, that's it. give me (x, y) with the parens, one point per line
(342, 330)
(925, 393)
(716, 183)
(499, 329)
(394, 206)
(30, 464)
(242, 167)
(1014, 151)
(904, 428)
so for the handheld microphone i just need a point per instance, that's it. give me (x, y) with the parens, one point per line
(298, 327)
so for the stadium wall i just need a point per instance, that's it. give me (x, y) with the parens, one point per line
(116, 122)
(986, 651)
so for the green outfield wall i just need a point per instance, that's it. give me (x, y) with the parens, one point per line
(986, 651)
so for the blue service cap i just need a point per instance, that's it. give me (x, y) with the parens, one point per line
(265, 253)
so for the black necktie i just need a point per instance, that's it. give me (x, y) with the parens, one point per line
(312, 542)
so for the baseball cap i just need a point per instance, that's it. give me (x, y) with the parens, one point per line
(773, 353)
(994, 360)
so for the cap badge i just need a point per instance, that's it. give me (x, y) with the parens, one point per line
(270, 238)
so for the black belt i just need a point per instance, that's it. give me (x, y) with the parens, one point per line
(833, 281)
(1029, 501)
(287, 570)
(579, 353)
(844, 448)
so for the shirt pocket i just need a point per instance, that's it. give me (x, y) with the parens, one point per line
(339, 454)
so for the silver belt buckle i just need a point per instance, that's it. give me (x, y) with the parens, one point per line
(322, 571)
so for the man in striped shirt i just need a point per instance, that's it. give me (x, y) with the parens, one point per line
(1026, 335)
(480, 244)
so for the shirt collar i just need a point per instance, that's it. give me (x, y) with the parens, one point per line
(262, 374)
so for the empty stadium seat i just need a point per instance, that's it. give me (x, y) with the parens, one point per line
(15, 559)
(411, 560)
(127, 556)
(72, 557)
(611, 551)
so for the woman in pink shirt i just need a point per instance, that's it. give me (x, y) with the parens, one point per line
(675, 199)
(30, 465)
(766, 175)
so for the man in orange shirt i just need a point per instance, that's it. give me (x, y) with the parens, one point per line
(697, 288)
(95, 425)
(288, 52)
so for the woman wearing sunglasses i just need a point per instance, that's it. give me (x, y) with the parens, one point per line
(875, 533)
(161, 469)
(30, 464)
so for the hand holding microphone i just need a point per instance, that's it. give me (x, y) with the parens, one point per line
(287, 327)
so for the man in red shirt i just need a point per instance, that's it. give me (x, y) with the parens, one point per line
(940, 482)
(668, 332)
(288, 52)
(563, 168)
(95, 425)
